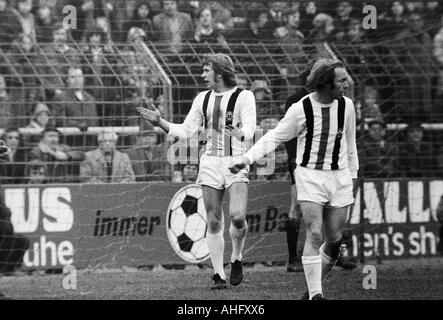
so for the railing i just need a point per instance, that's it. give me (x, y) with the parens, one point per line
(397, 80)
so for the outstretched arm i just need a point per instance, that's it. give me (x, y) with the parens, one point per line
(285, 130)
(184, 130)
(153, 115)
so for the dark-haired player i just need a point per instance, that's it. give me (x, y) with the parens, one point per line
(327, 163)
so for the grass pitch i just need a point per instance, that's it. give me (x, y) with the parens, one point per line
(402, 279)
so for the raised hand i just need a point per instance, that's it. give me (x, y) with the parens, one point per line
(151, 114)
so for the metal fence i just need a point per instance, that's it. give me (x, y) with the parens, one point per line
(391, 82)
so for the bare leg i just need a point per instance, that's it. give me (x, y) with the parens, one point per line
(334, 223)
(238, 200)
(238, 195)
(212, 198)
(313, 217)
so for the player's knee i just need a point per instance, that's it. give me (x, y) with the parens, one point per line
(238, 222)
(214, 225)
(314, 235)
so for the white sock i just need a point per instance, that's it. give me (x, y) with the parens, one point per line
(312, 266)
(238, 237)
(327, 263)
(216, 246)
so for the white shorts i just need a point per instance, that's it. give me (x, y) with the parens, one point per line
(214, 172)
(331, 188)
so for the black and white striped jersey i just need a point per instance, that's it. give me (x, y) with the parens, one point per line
(216, 113)
(321, 143)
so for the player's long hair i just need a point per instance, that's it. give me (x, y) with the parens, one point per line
(223, 66)
(322, 74)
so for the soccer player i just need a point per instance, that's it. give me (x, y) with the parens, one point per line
(327, 163)
(293, 222)
(228, 114)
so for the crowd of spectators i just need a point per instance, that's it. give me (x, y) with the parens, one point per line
(384, 157)
(71, 79)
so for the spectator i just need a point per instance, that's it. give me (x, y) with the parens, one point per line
(156, 7)
(36, 172)
(354, 34)
(100, 79)
(5, 105)
(342, 19)
(263, 97)
(124, 13)
(395, 22)
(323, 30)
(45, 21)
(24, 89)
(221, 15)
(243, 81)
(414, 49)
(54, 7)
(146, 157)
(139, 84)
(41, 118)
(290, 33)
(75, 107)
(135, 35)
(55, 60)
(12, 246)
(379, 157)
(12, 169)
(259, 27)
(140, 19)
(61, 161)
(370, 110)
(205, 30)
(190, 173)
(10, 26)
(106, 164)
(416, 158)
(91, 13)
(173, 26)
(276, 15)
(307, 15)
(26, 18)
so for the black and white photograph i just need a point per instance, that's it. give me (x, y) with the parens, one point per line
(221, 159)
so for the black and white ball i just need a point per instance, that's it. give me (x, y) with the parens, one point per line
(186, 224)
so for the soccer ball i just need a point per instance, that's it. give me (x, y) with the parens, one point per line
(186, 224)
